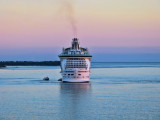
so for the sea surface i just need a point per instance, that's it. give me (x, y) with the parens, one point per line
(117, 91)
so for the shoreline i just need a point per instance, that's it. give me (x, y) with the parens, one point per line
(4, 64)
(1, 67)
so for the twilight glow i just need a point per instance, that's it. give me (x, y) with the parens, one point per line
(28, 24)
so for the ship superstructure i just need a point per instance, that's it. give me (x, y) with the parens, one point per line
(75, 63)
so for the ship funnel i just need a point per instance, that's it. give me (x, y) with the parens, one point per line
(75, 43)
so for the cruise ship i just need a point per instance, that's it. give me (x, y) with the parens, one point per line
(75, 63)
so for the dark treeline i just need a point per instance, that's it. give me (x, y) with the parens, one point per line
(29, 63)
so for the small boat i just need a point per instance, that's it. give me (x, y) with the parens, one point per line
(46, 78)
(60, 79)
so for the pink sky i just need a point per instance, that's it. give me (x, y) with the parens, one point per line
(100, 23)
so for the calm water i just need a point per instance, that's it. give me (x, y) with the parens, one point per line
(117, 91)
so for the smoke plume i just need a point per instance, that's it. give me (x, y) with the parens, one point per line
(68, 10)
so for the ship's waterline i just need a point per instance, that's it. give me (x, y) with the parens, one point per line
(75, 63)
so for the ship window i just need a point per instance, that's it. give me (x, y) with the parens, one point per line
(79, 74)
(68, 74)
(72, 74)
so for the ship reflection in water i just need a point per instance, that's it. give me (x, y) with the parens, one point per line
(75, 88)
(75, 96)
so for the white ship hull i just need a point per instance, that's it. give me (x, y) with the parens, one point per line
(75, 63)
(75, 80)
